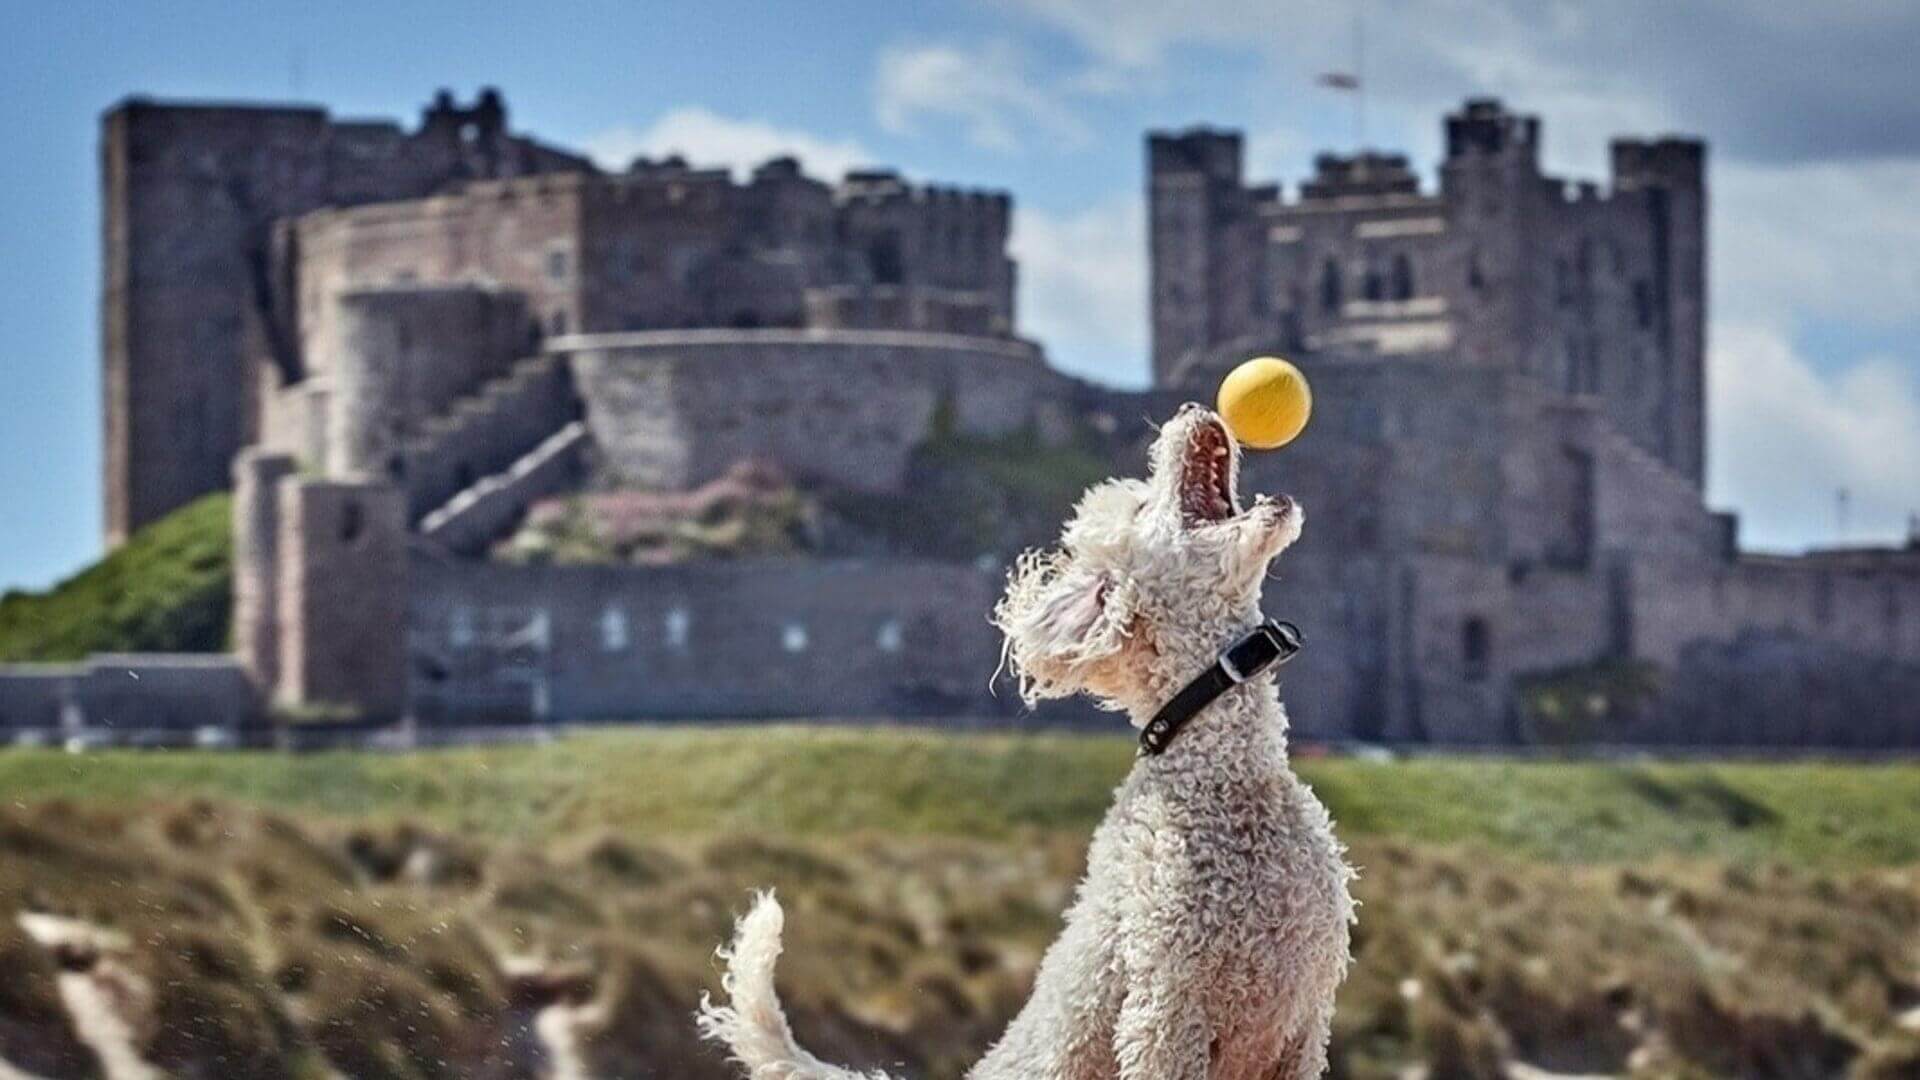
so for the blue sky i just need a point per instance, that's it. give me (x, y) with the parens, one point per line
(1814, 117)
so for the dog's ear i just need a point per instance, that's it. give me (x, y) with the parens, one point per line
(1060, 620)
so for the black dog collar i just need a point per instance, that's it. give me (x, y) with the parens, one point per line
(1269, 644)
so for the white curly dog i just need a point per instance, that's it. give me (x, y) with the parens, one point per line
(1211, 930)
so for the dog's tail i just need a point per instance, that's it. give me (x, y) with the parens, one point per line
(752, 1024)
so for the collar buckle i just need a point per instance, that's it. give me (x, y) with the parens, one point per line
(1271, 643)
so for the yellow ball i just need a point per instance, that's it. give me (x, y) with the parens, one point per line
(1265, 402)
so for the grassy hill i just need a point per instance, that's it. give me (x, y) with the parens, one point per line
(361, 914)
(830, 782)
(167, 589)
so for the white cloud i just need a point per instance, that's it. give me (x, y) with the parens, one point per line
(991, 92)
(1280, 154)
(1843, 67)
(1083, 287)
(1835, 241)
(1784, 440)
(705, 137)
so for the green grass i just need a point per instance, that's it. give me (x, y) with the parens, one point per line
(801, 782)
(167, 589)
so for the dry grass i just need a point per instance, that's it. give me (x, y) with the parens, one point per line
(376, 949)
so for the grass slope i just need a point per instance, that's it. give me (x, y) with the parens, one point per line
(167, 589)
(830, 782)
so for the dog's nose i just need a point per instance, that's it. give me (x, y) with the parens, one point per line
(1191, 407)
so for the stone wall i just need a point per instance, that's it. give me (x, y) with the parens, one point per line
(1599, 295)
(485, 434)
(147, 693)
(472, 520)
(257, 476)
(520, 235)
(724, 639)
(1784, 689)
(406, 355)
(342, 598)
(672, 410)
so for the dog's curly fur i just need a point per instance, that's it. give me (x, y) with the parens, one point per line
(1211, 931)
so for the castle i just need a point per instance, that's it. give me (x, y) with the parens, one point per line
(394, 344)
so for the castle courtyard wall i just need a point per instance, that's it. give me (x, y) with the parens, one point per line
(674, 409)
(845, 638)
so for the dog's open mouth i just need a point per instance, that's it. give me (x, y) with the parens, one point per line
(1207, 476)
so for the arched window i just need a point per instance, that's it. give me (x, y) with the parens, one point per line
(1476, 649)
(1402, 278)
(1330, 288)
(1372, 287)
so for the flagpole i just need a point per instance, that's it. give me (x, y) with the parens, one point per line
(1360, 76)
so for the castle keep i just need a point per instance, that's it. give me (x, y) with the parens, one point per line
(1597, 294)
(425, 360)
(1507, 540)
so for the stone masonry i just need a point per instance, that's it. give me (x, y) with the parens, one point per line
(190, 305)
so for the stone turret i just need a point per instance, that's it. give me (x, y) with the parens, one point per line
(342, 598)
(1196, 207)
(1671, 173)
(400, 355)
(257, 475)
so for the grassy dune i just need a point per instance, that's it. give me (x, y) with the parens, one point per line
(831, 782)
(361, 914)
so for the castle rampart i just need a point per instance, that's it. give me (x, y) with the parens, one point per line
(675, 409)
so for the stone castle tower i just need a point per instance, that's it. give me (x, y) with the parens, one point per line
(190, 195)
(1599, 294)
